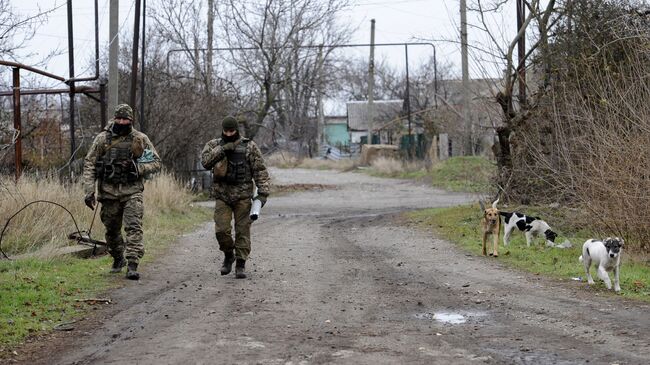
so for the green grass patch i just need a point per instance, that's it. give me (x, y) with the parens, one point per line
(470, 174)
(415, 175)
(36, 295)
(461, 226)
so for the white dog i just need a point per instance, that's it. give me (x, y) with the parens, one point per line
(531, 226)
(606, 256)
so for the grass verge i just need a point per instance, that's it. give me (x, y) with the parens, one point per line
(39, 293)
(472, 174)
(461, 226)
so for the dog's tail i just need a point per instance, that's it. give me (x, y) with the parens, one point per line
(506, 214)
(494, 204)
(580, 258)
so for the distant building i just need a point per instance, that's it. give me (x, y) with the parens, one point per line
(385, 112)
(336, 131)
(485, 114)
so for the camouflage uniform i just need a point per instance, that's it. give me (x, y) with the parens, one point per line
(233, 195)
(121, 197)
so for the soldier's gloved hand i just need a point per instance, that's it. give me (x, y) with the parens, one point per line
(131, 169)
(229, 146)
(262, 198)
(90, 200)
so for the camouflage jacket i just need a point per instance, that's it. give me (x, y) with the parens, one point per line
(149, 163)
(213, 152)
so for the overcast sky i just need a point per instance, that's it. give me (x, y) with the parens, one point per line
(397, 21)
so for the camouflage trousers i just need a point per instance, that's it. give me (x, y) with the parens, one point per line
(127, 212)
(223, 216)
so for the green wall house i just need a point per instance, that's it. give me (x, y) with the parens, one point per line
(336, 131)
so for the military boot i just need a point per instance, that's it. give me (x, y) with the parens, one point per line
(228, 260)
(239, 269)
(132, 271)
(118, 263)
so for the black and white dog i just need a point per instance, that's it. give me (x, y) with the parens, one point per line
(606, 256)
(531, 226)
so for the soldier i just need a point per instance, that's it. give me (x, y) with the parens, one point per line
(236, 163)
(119, 159)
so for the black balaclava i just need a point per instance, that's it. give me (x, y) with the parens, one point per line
(232, 138)
(122, 129)
(230, 123)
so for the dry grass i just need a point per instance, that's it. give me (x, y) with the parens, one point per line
(320, 164)
(44, 227)
(165, 194)
(391, 167)
(281, 159)
(387, 166)
(287, 160)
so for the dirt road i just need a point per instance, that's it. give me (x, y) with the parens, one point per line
(335, 279)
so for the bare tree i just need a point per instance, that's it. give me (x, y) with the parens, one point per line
(182, 25)
(17, 30)
(515, 111)
(276, 63)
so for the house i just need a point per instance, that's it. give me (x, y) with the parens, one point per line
(385, 112)
(484, 114)
(335, 131)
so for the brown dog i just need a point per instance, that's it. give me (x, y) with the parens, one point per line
(491, 225)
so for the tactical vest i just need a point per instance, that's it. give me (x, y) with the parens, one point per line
(117, 165)
(239, 170)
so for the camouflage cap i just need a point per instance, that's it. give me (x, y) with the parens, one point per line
(229, 123)
(124, 111)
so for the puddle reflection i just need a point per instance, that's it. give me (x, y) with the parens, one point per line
(447, 317)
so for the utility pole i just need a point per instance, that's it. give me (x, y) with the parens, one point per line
(143, 125)
(371, 80)
(113, 53)
(408, 102)
(465, 67)
(134, 54)
(319, 100)
(208, 56)
(73, 146)
(521, 53)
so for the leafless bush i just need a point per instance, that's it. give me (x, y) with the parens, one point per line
(588, 144)
(44, 227)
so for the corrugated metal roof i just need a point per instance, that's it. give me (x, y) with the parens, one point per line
(336, 119)
(384, 110)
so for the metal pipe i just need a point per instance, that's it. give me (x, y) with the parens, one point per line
(79, 89)
(102, 98)
(93, 97)
(71, 83)
(30, 68)
(92, 78)
(18, 147)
